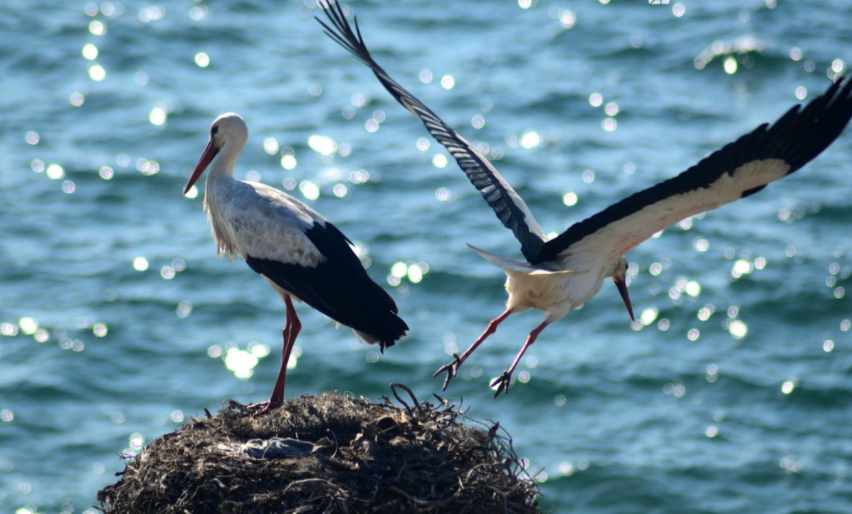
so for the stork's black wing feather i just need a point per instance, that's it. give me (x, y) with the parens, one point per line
(338, 286)
(739, 169)
(508, 206)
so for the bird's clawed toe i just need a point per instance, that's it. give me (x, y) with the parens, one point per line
(502, 383)
(452, 369)
(261, 408)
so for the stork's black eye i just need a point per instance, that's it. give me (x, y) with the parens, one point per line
(626, 265)
(213, 130)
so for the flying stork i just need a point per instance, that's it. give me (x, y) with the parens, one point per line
(565, 272)
(300, 253)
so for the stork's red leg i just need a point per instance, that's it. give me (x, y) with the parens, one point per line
(453, 367)
(502, 382)
(290, 332)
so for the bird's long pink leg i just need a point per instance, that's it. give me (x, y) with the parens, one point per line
(453, 367)
(502, 382)
(290, 332)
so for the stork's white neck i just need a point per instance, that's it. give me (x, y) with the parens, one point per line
(224, 163)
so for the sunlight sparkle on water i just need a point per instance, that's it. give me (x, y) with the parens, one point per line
(192, 193)
(439, 161)
(448, 82)
(97, 27)
(530, 139)
(567, 19)
(151, 13)
(358, 100)
(100, 329)
(270, 146)
(477, 121)
(609, 124)
(705, 312)
(184, 309)
(648, 316)
(422, 144)
(827, 345)
(595, 99)
(712, 377)
(322, 145)
(711, 431)
(8, 329)
(240, 362)
(90, 52)
(399, 269)
(157, 116)
(198, 12)
(425, 76)
(801, 93)
(288, 162)
(28, 325)
(738, 329)
(309, 190)
(570, 199)
(76, 99)
(442, 194)
(140, 264)
(611, 109)
(55, 172)
(741, 267)
(97, 72)
(796, 53)
(202, 60)
(415, 274)
(359, 176)
(693, 288)
(789, 385)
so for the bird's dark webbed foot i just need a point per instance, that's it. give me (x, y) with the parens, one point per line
(452, 369)
(502, 383)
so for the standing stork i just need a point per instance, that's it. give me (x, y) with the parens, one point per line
(565, 272)
(300, 253)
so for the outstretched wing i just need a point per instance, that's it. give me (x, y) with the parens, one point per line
(739, 169)
(508, 206)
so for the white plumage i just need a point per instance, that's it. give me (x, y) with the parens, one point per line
(295, 249)
(563, 273)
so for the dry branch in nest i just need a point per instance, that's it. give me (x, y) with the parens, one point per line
(327, 454)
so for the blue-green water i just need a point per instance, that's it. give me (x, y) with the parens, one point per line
(734, 392)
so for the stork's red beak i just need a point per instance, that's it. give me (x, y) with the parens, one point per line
(205, 160)
(622, 288)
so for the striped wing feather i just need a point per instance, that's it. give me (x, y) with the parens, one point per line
(509, 207)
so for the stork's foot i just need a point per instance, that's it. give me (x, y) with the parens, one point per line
(452, 369)
(502, 383)
(261, 408)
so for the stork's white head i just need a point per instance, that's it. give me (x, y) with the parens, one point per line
(618, 274)
(228, 136)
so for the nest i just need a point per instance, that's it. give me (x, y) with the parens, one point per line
(328, 454)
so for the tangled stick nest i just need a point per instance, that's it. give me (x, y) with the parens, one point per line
(327, 454)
